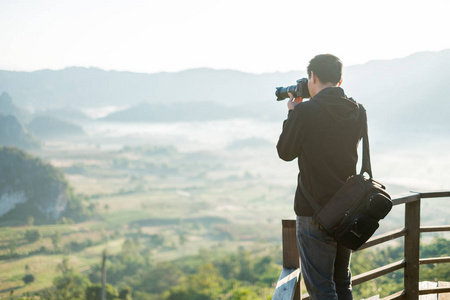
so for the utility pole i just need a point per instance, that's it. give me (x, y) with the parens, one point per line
(104, 276)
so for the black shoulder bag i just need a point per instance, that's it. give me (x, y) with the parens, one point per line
(351, 216)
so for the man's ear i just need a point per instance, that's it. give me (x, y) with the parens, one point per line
(340, 82)
(313, 78)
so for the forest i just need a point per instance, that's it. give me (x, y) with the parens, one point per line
(133, 273)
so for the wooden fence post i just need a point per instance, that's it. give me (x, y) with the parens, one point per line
(412, 249)
(291, 258)
(290, 248)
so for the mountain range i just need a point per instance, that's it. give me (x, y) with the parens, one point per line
(398, 93)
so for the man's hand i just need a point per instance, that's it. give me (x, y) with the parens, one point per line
(293, 101)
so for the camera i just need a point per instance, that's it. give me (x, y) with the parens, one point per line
(298, 90)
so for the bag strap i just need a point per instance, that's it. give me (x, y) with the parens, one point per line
(365, 168)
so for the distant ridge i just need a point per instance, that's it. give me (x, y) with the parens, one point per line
(48, 127)
(395, 92)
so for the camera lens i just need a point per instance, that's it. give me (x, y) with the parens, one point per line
(298, 90)
(282, 92)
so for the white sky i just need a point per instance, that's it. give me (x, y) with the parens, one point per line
(252, 36)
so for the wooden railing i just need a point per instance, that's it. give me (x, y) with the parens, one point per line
(288, 286)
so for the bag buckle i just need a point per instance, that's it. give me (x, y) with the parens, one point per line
(354, 231)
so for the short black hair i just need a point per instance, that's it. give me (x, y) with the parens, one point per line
(327, 67)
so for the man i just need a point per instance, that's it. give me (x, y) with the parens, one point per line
(323, 133)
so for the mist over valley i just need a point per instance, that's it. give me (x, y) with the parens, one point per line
(176, 163)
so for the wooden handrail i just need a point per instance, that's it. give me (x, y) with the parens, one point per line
(434, 260)
(379, 239)
(435, 228)
(372, 274)
(435, 195)
(406, 198)
(410, 264)
(436, 290)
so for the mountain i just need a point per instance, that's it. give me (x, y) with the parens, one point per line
(407, 93)
(46, 127)
(30, 187)
(90, 87)
(12, 133)
(398, 93)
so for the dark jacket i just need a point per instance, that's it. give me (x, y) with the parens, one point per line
(324, 134)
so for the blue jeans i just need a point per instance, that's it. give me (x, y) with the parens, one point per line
(325, 263)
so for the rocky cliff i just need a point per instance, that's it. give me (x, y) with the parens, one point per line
(30, 187)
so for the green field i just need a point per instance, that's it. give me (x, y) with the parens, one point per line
(175, 203)
(172, 203)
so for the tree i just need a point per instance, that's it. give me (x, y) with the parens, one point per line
(64, 266)
(125, 293)
(75, 210)
(205, 285)
(244, 294)
(160, 278)
(92, 207)
(246, 266)
(32, 235)
(94, 292)
(29, 278)
(12, 247)
(71, 284)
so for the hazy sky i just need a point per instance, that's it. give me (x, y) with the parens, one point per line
(253, 36)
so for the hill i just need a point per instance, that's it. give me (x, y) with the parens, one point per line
(47, 127)
(8, 107)
(30, 187)
(12, 133)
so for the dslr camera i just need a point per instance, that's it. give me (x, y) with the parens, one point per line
(298, 90)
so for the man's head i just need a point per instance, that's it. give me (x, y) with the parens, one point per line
(324, 70)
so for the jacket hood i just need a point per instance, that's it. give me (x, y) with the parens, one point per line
(334, 101)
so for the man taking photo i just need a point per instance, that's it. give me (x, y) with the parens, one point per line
(323, 133)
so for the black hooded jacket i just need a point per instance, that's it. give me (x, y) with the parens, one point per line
(323, 133)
